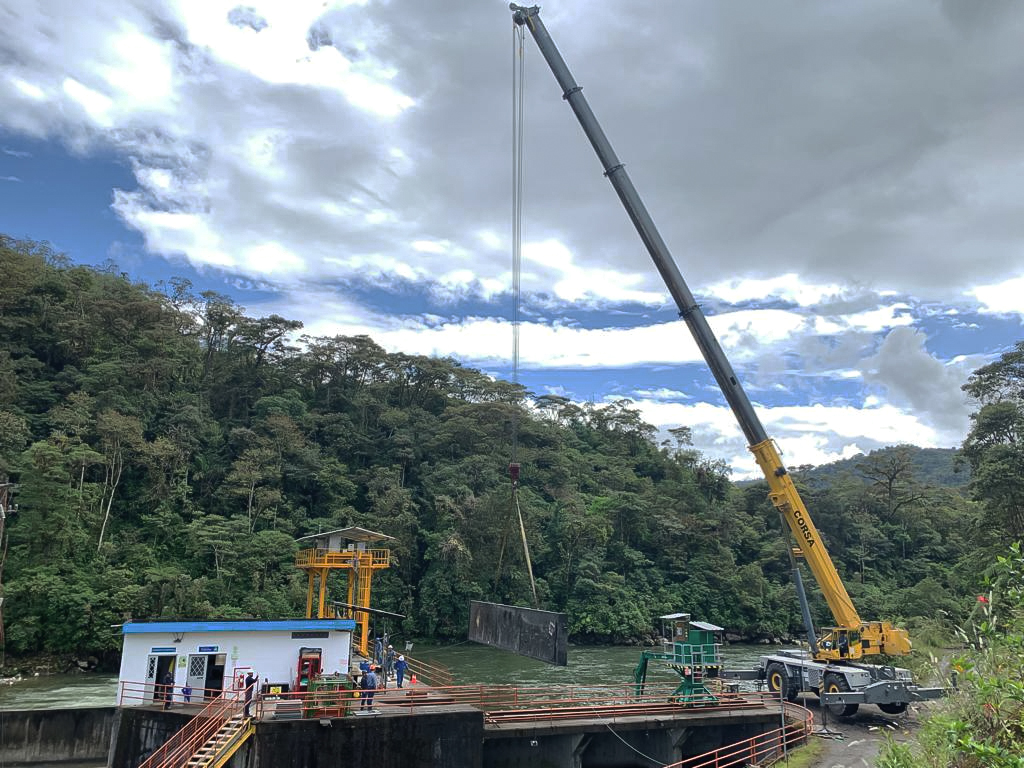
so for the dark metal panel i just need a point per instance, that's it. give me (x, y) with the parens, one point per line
(528, 632)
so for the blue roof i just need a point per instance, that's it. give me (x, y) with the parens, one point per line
(143, 627)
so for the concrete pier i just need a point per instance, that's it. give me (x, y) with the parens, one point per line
(47, 736)
(620, 742)
(455, 736)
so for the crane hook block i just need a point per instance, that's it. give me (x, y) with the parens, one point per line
(513, 472)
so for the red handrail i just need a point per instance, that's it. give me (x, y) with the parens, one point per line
(504, 703)
(764, 749)
(428, 672)
(130, 690)
(177, 750)
(507, 703)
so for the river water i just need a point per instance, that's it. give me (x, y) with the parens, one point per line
(470, 664)
(603, 665)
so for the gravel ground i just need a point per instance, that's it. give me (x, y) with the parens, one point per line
(855, 742)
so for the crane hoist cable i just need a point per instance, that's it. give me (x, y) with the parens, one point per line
(518, 89)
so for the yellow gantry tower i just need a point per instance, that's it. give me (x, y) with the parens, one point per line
(351, 550)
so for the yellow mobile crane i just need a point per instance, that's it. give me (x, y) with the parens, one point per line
(831, 667)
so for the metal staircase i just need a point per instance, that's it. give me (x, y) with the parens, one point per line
(208, 740)
(223, 744)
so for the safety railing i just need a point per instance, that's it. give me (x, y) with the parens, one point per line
(514, 703)
(304, 705)
(501, 704)
(346, 558)
(765, 749)
(131, 693)
(179, 749)
(428, 672)
(607, 702)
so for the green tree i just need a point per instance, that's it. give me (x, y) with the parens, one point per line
(994, 448)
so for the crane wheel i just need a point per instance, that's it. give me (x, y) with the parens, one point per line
(894, 709)
(835, 683)
(779, 682)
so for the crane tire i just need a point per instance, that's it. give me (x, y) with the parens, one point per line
(779, 682)
(836, 683)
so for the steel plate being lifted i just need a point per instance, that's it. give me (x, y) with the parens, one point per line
(528, 632)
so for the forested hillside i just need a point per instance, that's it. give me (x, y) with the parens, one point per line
(168, 449)
(925, 466)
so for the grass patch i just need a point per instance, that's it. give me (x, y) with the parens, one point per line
(805, 756)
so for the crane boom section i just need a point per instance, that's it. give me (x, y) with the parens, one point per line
(786, 499)
(878, 636)
(649, 234)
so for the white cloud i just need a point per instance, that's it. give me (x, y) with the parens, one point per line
(555, 269)
(748, 335)
(559, 391)
(1003, 298)
(243, 140)
(919, 382)
(279, 53)
(271, 258)
(662, 393)
(341, 131)
(816, 434)
(96, 105)
(139, 72)
(490, 239)
(787, 287)
(33, 92)
(431, 246)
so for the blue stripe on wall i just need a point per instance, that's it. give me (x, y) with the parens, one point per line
(137, 628)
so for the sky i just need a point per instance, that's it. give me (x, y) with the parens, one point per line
(839, 183)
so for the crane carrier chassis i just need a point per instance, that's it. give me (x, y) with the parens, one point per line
(841, 687)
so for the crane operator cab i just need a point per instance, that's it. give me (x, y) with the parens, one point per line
(837, 642)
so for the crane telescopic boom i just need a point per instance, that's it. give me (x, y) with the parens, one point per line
(852, 637)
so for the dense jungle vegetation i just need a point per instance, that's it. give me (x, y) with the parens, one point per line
(168, 450)
(981, 724)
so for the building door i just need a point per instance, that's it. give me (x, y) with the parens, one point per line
(151, 670)
(215, 663)
(197, 664)
(157, 666)
(206, 674)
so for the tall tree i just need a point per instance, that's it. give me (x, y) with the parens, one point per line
(995, 444)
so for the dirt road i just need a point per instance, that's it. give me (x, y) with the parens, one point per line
(855, 742)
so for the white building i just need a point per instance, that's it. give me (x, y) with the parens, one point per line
(213, 656)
